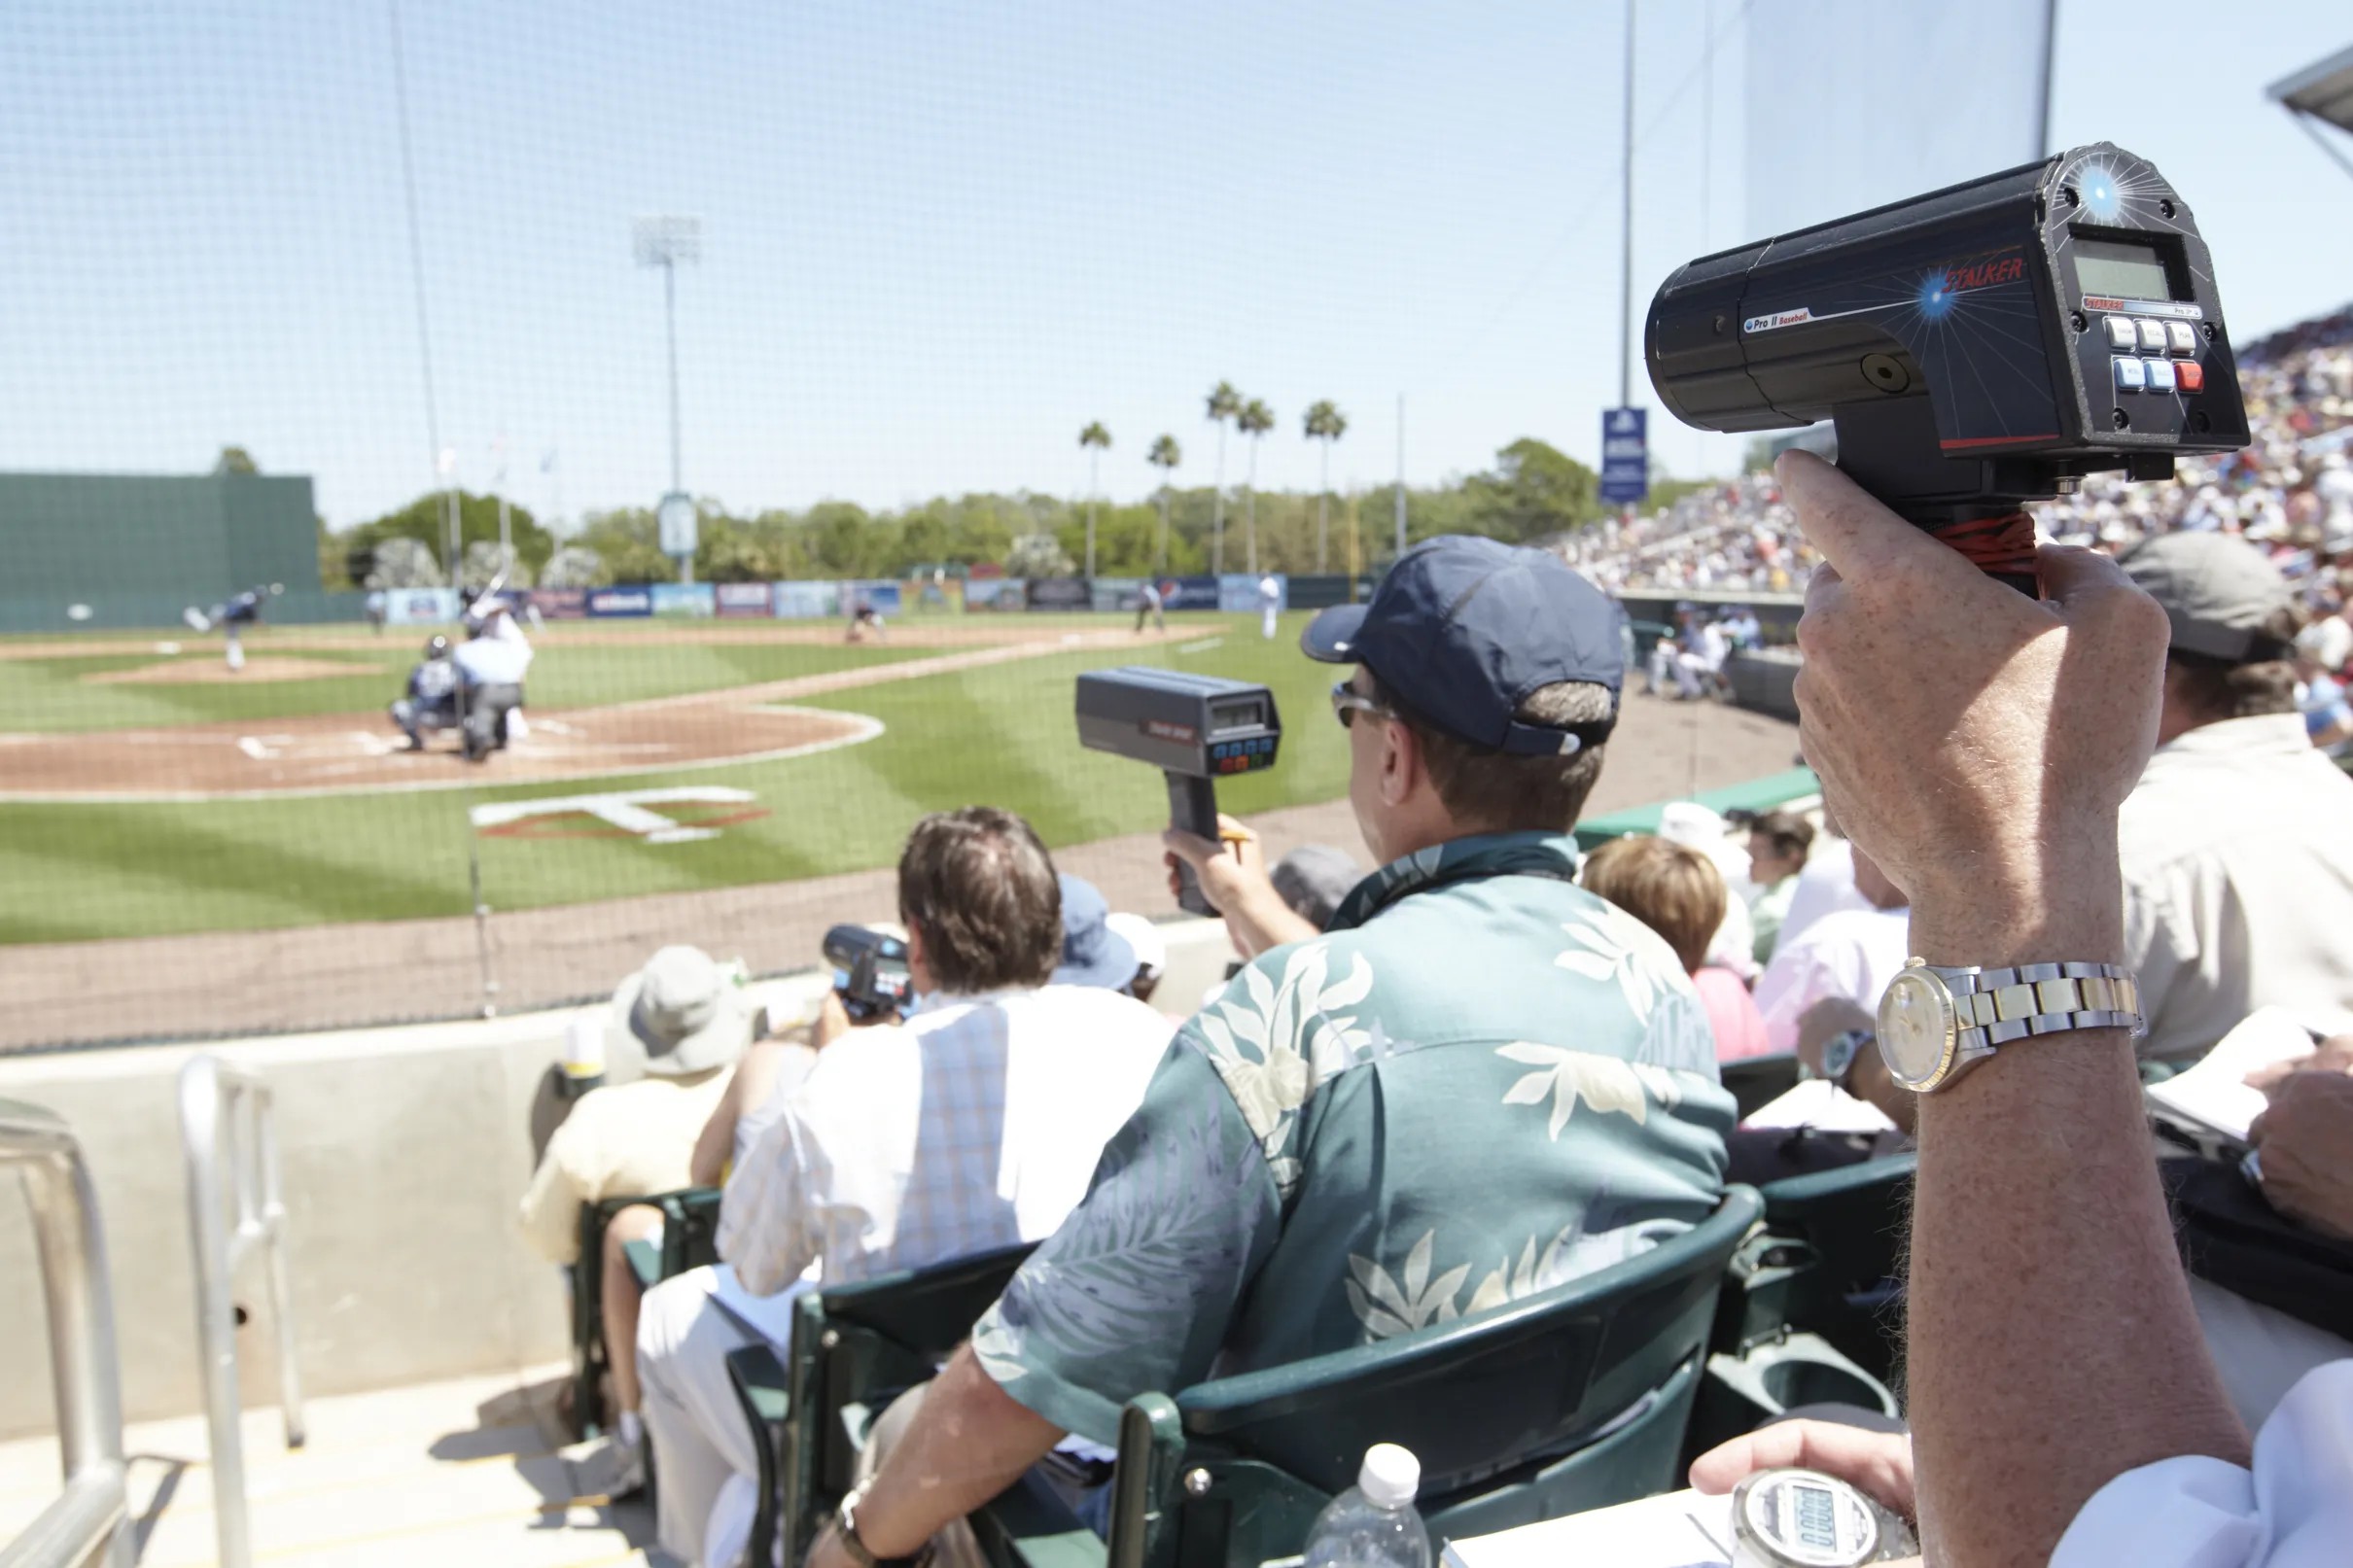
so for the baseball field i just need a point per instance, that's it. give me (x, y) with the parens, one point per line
(193, 851)
(146, 791)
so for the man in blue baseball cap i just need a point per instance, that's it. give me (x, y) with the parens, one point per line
(1480, 1082)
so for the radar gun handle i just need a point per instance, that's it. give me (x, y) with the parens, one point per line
(1193, 809)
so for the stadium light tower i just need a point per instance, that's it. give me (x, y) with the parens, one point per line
(665, 242)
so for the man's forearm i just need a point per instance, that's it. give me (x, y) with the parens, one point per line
(2051, 1341)
(970, 1441)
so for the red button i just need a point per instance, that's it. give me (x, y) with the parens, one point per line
(2192, 375)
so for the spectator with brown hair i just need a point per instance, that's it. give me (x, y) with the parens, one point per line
(1678, 893)
(1778, 842)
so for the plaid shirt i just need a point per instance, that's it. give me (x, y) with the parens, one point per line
(974, 1125)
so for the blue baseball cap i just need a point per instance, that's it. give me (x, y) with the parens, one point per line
(1092, 953)
(1464, 629)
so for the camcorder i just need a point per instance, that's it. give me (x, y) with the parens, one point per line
(1976, 348)
(1194, 728)
(870, 972)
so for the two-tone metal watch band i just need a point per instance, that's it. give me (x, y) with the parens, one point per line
(1996, 1007)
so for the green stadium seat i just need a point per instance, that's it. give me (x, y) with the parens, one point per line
(1809, 1303)
(1756, 1082)
(1569, 1399)
(689, 1240)
(1769, 794)
(854, 1348)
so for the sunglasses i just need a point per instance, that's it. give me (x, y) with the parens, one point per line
(1347, 701)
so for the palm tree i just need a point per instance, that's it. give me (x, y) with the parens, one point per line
(1097, 440)
(1325, 423)
(1254, 421)
(1224, 404)
(1165, 454)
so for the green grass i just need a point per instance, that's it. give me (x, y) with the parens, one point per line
(998, 734)
(56, 695)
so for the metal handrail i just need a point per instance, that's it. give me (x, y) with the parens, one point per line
(87, 1523)
(213, 1094)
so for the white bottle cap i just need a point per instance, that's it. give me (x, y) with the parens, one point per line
(1390, 1475)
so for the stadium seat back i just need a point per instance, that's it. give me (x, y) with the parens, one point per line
(1755, 1082)
(854, 1348)
(1810, 1304)
(1568, 1400)
(1850, 1222)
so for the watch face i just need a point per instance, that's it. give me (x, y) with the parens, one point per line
(1916, 1027)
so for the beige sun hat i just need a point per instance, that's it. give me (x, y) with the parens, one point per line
(684, 1013)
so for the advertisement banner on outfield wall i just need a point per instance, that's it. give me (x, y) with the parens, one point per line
(1190, 592)
(632, 599)
(420, 607)
(883, 598)
(686, 601)
(1114, 593)
(992, 593)
(743, 598)
(1237, 593)
(805, 600)
(560, 604)
(1060, 593)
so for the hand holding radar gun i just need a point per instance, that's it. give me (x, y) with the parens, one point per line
(1976, 348)
(1194, 728)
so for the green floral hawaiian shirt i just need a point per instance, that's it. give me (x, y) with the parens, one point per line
(1482, 1082)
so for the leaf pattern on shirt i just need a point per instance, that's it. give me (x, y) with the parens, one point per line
(1605, 1082)
(1509, 1283)
(1612, 944)
(1388, 1305)
(1273, 1040)
(1129, 1264)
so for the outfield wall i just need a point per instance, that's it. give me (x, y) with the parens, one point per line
(137, 550)
(405, 1153)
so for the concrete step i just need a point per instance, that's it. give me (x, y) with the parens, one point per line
(456, 1474)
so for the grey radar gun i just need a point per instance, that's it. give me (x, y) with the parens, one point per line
(1194, 728)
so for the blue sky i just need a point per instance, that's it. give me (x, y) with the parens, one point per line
(940, 239)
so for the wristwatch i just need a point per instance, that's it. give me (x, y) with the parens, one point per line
(1937, 1023)
(845, 1525)
(1839, 1053)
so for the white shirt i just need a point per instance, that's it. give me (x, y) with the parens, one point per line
(2237, 849)
(1270, 592)
(975, 1125)
(1851, 953)
(1824, 886)
(2293, 1509)
(492, 661)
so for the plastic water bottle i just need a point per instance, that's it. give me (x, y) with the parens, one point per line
(1373, 1524)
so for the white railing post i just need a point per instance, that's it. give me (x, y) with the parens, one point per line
(87, 1523)
(213, 1097)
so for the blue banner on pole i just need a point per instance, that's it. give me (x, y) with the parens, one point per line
(1625, 455)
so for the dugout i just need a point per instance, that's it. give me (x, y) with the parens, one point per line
(140, 548)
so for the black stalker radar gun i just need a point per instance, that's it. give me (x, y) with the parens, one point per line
(1194, 728)
(1976, 348)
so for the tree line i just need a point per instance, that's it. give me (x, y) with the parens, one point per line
(1531, 492)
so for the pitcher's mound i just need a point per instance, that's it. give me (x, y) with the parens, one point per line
(205, 671)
